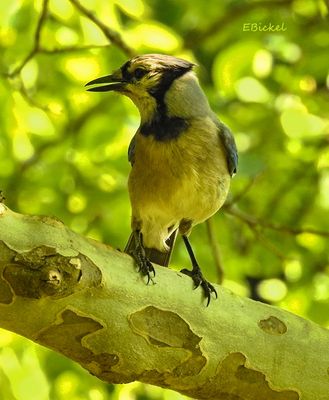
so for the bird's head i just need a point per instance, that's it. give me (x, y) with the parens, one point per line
(147, 80)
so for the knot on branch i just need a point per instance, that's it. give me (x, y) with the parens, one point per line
(43, 272)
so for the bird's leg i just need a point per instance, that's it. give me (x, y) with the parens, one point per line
(196, 273)
(138, 253)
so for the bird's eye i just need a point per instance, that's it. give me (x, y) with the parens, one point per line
(139, 73)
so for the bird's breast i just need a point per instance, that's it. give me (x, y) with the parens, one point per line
(182, 178)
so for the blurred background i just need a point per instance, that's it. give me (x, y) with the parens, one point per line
(63, 151)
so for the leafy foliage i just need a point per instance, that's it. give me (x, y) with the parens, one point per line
(63, 151)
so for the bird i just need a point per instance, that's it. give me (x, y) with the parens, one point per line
(182, 159)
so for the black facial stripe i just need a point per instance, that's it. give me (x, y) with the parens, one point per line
(160, 90)
(168, 77)
(162, 126)
(126, 75)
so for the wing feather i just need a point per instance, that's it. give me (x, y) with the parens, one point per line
(228, 142)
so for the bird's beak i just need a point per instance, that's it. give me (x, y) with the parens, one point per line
(107, 83)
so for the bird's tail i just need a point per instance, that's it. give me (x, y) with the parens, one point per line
(154, 255)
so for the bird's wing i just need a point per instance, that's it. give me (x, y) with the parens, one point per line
(131, 150)
(228, 142)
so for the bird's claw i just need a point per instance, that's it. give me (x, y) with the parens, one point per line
(208, 289)
(199, 280)
(145, 267)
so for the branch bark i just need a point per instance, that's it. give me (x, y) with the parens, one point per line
(85, 300)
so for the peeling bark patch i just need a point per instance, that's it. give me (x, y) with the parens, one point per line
(236, 381)
(273, 326)
(44, 272)
(248, 375)
(6, 295)
(67, 336)
(166, 329)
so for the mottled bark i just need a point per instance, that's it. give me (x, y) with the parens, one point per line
(86, 301)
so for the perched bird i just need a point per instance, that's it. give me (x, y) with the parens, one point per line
(182, 158)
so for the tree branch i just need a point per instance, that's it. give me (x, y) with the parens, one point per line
(244, 191)
(254, 222)
(72, 49)
(113, 36)
(37, 39)
(86, 301)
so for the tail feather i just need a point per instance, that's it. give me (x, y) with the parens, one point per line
(154, 255)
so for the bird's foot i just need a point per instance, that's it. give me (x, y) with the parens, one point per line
(144, 265)
(199, 280)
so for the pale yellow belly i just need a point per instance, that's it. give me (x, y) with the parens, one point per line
(183, 179)
(161, 200)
